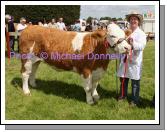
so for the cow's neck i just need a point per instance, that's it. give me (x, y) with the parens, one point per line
(107, 51)
(110, 51)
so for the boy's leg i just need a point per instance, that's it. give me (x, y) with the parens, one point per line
(12, 43)
(135, 91)
(123, 88)
(18, 44)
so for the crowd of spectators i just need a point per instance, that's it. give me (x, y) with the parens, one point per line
(79, 25)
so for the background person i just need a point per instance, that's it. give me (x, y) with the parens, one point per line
(11, 28)
(77, 26)
(134, 67)
(61, 24)
(45, 24)
(20, 27)
(83, 25)
(40, 23)
(94, 23)
(52, 24)
(30, 24)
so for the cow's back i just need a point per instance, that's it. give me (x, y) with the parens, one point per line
(46, 39)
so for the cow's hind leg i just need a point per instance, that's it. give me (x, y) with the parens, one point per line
(87, 82)
(26, 70)
(33, 72)
(96, 76)
(94, 91)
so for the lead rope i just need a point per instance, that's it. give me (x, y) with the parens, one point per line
(123, 80)
(125, 70)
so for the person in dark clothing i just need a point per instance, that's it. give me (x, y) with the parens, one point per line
(11, 28)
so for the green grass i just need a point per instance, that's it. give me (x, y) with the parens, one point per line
(60, 96)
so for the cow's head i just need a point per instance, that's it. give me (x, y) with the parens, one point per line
(117, 38)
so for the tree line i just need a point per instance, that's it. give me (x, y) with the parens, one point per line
(111, 19)
(35, 13)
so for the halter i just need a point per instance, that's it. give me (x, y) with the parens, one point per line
(106, 43)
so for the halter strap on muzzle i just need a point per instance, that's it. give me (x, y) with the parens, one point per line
(120, 40)
(107, 45)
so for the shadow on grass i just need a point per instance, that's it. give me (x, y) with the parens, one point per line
(143, 103)
(72, 91)
(64, 89)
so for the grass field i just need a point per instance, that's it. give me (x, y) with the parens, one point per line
(60, 96)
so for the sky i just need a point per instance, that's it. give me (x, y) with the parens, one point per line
(117, 11)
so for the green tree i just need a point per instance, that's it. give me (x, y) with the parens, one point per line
(89, 19)
(114, 19)
(105, 18)
(120, 19)
(37, 13)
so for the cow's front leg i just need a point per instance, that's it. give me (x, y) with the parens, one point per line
(87, 83)
(26, 70)
(94, 91)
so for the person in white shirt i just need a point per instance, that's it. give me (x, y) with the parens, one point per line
(53, 24)
(61, 24)
(45, 24)
(22, 25)
(40, 23)
(133, 63)
(83, 25)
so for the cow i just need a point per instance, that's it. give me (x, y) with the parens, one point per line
(36, 41)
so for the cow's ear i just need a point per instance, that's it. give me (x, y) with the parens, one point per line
(128, 32)
(99, 34)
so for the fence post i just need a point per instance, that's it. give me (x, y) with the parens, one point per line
(7, 41)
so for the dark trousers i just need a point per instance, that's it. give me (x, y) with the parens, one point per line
(135, 84)
(11, 41)
(18, 44)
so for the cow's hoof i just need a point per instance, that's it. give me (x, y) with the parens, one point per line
(27, 93)
(96, 98)
(91, 102)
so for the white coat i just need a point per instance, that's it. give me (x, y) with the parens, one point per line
(134, 67)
